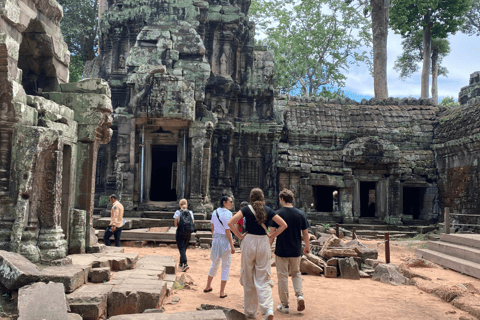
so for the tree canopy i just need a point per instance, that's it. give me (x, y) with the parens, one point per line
(472, 20)
(437, 17)
(79, 27)
(314, 42)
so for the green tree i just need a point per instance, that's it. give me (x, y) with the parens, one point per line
(439, 17)
(407, 63)
(79, 27)
(449, 102)
(472, 21)
(314, 41)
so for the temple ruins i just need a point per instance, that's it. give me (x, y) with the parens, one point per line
(193, 114)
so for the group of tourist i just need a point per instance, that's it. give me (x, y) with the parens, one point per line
(289, 225)
(262, 224)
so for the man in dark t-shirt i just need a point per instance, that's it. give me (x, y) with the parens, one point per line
(288, 250)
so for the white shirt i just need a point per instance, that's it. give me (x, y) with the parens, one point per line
(224, 215)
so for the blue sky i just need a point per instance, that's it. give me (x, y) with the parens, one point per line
(463, 60)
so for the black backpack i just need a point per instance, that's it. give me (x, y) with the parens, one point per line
(185, 223)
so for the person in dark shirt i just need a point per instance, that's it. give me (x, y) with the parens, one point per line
(257, 254)
(288, 250)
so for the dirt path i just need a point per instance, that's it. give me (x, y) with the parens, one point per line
(325, 298)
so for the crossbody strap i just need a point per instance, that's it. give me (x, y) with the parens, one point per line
(263, 224)
(219, 219)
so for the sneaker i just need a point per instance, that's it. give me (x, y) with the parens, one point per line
(300, 303)
(269, 315)
(283, 309)
(185, 267)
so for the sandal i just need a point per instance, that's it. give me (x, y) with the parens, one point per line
(209, 290)
(223, 296)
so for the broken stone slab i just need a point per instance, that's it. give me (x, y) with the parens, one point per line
(331, 272)
(99, 275)
(333, 242)
(128, 298)
(90, 301)
(144, 274)
(341, 253)
(231, 314)
(74, 316)
(354, 243)
(310, 268)
(41, 301)
(410, 274)
(363, 274)
(389, 273)
(373, 263)
(366, 253)
(348, 269)
(17, 271)
(317, 260)
(153, 262)
(72, 277)
(197, 315)
(333, 262)
(117, 261)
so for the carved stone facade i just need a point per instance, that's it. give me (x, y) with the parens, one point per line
(193, 92)
(46, 125)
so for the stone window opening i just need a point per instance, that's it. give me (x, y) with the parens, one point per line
(368, 199)
(163, 176)
(326, 199)
(36, 60)
(413, 198)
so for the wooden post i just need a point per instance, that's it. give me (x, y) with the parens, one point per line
(354, 233)
(387, 247)
(337, 230)
(447, 220)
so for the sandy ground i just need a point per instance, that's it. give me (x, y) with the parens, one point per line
(325, 298)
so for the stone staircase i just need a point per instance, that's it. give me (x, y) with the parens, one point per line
(459, 252)
(375, 231)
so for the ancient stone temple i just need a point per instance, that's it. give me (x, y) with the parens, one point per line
(193, 103)
(50, 132)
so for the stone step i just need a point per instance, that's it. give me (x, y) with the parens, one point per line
(471, 240)
(454, 263)
(103, 223)
(99, 275)
(139, 223)
(116, 261)
(90, 301)
(153, 262)
(456, 250)
(382, 233)
(143, 235)
(135, 296)
(169, 215)
(197, 315)
(72, 276)
(204, 234)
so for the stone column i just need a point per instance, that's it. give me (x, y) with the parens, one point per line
(382, 199)
(200, 135)
(356, 199)
(125, 159)
(90, 99)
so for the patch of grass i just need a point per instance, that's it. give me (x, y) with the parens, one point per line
(178, 285)
(418, 237)
(326, 225)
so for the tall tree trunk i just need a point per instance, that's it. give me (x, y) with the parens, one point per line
(435, 75)
(380, 9)
(427, 42)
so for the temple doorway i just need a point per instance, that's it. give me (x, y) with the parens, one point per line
(413, 201)
(164, 174)
(367, 199)
(326, 198)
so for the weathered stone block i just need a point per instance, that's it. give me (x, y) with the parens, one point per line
(128, 298)
(348, 269)
(90, 301)
(99, 275)
(71, 276)
(16, 271)
(42, 301)
(365, 253)
(310, 268)
(331, 272)
(197, 315)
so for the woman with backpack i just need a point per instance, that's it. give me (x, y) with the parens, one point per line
(255, 273)
(185, 225)
(222, 245)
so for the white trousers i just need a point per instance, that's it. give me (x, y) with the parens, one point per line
(256, 274)
(226, 260)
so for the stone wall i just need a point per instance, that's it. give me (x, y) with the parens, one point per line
(45, 126)
(471, 91)
(340, 144)
(457, 152)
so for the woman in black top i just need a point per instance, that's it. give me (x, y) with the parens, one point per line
(255, 273)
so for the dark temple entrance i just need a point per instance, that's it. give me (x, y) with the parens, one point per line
(367, 199)
(413, 201)
(326, 198)
(163, 183)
